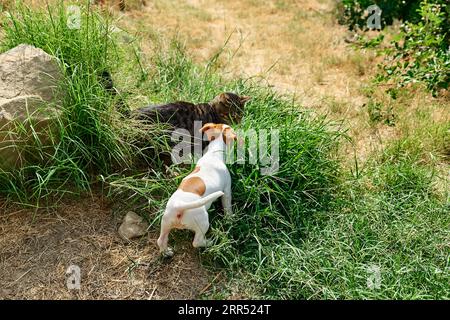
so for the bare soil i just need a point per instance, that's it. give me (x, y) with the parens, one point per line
(36, 249)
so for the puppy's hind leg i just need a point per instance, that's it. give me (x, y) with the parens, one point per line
(226, 201)
(163, 239)
(200, 228)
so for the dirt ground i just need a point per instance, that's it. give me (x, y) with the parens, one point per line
(296, 46)
(37, 249)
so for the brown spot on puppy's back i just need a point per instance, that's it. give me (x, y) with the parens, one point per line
(193, 185)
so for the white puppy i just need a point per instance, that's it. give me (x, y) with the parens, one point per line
(187, 207)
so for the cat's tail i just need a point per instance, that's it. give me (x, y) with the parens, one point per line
(108, 84)
(181, 205)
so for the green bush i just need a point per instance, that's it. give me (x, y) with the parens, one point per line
(421, 53)
(352, 12)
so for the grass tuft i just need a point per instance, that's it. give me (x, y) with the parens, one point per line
(90, 137)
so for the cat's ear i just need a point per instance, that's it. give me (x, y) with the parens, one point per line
(245, 99)
(219, 99)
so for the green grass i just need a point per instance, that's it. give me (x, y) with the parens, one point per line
(313, 230)
(389, 216)
(89, 138)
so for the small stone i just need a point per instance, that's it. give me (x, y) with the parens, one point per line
(167, 254)
(132, 226)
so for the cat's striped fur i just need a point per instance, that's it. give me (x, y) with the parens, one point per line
(227, 108)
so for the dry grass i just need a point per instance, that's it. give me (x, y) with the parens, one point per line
(297, 47)
(286, 42)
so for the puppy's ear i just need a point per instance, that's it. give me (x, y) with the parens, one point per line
(245, 99)
(206, 126)
(211, 131)
(229, 135)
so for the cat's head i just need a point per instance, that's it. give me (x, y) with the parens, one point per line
(230, 106)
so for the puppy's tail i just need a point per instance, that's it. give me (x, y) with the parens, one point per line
(181, 205)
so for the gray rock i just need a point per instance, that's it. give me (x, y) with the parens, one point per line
(132, 226)
(29, 97)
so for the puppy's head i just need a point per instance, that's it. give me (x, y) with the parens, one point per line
(216, 130)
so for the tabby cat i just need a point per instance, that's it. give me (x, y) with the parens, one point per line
(226, 108)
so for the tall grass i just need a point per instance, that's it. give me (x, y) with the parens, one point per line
(90, 137)
(269, 210)
(273, 208)
(312, 230)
